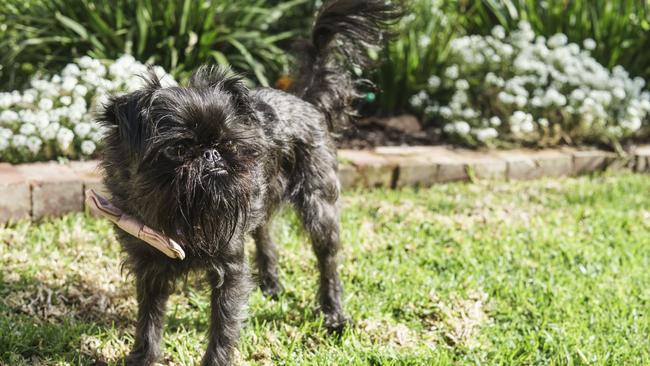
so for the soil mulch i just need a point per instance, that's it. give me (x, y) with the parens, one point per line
(391, 131)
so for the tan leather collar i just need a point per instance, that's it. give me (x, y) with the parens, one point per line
(133, 226)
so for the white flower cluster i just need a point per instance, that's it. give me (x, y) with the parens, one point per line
(54, 117)
(527, 89)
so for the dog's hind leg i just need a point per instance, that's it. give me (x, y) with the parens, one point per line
(317, 204)
(266, 258)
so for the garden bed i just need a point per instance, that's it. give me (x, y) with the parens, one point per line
(402, 130)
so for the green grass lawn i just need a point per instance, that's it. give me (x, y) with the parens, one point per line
(550, 272)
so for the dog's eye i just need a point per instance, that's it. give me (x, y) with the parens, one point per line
(175, 152)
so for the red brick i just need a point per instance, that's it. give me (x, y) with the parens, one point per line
(641, 158)
(372, 170)
(419, 171)
(531, 164)
(426, 165)
(417, 165)
(86, 170)
(429, 151)
(347, 176)
(553, 163)
(56, 189)
(484, 165)
(589, 161)
(521, 164)
(90, 175)
(15, 194)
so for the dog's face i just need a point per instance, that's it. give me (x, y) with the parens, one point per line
(190, 153)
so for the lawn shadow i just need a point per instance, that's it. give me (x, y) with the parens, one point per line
(77, 297)
(59, 318)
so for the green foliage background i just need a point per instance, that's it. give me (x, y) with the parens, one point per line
(254, 36)
(250, 35)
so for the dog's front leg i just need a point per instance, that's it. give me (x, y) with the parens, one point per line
(230, 284)
(153, 286)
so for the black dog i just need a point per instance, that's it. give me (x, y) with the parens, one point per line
(209, 163)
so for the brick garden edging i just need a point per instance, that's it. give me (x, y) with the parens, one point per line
(51, 189)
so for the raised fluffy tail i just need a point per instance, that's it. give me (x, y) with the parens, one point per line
(342, 33)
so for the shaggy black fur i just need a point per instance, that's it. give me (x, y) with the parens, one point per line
(210, 162)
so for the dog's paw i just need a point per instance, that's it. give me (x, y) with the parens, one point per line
(271, 288)
(336, 322)
(138, 359)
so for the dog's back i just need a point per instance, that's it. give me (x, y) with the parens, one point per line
(298, 123)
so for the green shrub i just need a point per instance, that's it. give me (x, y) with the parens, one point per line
(44, 35)
(621, 28)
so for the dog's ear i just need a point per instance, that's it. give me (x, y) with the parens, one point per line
(127, 115)
(225, 80)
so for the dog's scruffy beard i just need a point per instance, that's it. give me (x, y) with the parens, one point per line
(166, 134)
(200, 210)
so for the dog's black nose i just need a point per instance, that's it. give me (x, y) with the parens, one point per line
(211, 156)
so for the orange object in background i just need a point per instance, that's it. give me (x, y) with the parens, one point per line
(284, 82)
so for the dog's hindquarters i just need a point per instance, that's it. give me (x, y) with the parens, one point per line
(305, 165)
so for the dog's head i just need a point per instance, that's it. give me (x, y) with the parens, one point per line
(186, 157)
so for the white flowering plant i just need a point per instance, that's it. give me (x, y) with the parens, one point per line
(522, 89)
(54, 117)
